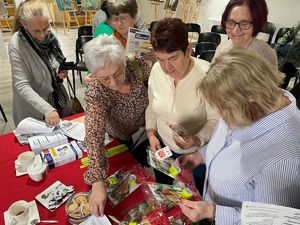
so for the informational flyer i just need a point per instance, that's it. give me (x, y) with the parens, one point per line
(138, 41)
(267, 214)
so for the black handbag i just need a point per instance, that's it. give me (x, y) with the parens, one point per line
(76, 105)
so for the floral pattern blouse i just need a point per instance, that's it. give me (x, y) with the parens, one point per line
(120, 115)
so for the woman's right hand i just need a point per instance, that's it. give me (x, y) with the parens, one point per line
(52, 119)
(87, 79)
(98, 199)
(153, 140)
(190, 161)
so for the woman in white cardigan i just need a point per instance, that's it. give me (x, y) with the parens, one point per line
(36, 58)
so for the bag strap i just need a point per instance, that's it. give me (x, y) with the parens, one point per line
(136, 66)
(70, 87)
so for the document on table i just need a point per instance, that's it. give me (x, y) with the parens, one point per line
(31, 125)
(41, 142)
(92, 220)
(73, 129)
(267, 214)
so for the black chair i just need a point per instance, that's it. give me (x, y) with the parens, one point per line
(192, 29)
(80, 64)
(281, 32)
(269, 28)
(210, 37)
(207, 55)
(85, 31)
(3, 114)
(217, 29)
(203, 46)
(152, 25)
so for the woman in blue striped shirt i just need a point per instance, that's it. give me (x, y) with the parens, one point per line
(254, 153)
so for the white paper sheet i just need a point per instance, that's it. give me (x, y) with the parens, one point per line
(267, 214)
(73, 130)
(30, 125)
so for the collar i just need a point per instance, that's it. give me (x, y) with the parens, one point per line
(266, 123)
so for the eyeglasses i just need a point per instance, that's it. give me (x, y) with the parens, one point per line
(119, 19)
(243, 25)
(116, 76)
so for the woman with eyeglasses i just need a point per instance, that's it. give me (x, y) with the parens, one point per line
(243, 20)
(116, 100)
(36, 59)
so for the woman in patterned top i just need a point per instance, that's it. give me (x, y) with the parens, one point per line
(116, 101)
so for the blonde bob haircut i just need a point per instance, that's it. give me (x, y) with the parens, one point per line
(29, 9)
(242, 86)
(103, 50)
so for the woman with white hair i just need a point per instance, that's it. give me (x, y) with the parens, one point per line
(116, 101)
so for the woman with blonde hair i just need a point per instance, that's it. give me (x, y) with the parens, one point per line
(254, 153)
(36, 59)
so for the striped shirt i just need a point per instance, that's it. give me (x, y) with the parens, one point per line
(258, 163)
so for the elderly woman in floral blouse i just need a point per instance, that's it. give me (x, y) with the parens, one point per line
(116, 101)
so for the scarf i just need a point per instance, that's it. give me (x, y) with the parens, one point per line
(52, 56)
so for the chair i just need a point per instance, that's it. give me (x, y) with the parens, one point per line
(86, 30)
(192, 29)
(3, 114)
(203, 46)
(210, 37)
(80, 64)
(4, 23)
(152, 25)
(207, 55)
(217, 29)
(269, 28)
(281, 32)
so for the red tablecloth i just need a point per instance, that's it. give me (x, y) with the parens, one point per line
(23, 188)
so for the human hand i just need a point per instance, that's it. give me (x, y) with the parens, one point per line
(62, 74)
(150, 56)
(98, 199)
(153, 140)
(197, 210)
(52, 119)
(186, 142)
(190, 161)
(87, 79)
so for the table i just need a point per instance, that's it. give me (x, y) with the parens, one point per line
(23, 188)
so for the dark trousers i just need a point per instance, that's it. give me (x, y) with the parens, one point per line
(290, 71)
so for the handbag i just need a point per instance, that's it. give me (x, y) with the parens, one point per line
(76, 105)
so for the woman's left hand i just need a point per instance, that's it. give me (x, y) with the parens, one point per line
(197, 210)
(62, 74)
(186, 142)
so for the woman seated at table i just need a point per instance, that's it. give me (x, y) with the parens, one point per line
(254, 153)
(116, 100)
(36, 58)
(243, 20)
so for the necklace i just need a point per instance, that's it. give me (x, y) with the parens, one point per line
(186, 72)
(250, 42)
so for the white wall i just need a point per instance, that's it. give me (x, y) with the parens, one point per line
(281, 12)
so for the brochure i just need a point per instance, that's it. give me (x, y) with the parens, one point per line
(41, 142)
(138, 41)
(268, 214)
(73, 129)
